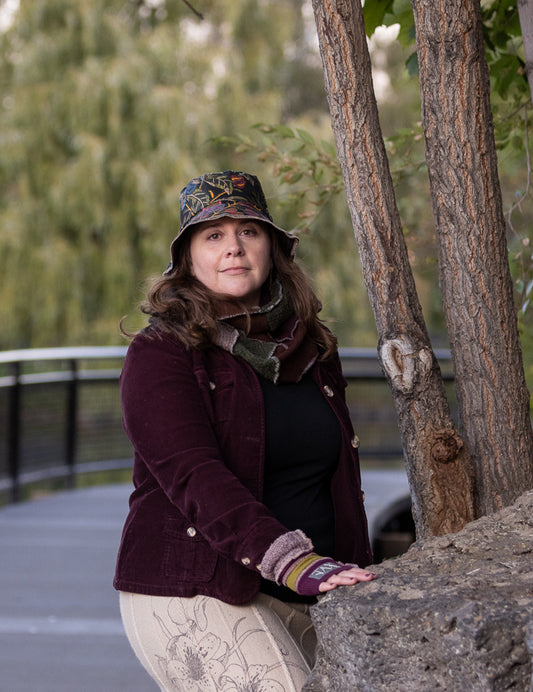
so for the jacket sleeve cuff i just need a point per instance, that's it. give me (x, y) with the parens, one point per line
(284, 552)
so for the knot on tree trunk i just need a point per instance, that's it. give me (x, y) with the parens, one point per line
(446, 446)
(404, 363)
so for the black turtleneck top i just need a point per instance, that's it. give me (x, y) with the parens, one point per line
(303, 442)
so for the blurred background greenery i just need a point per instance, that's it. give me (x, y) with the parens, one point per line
(109, 108)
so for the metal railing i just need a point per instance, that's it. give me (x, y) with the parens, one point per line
(60, 412)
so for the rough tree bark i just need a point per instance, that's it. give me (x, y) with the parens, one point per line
(438, 465)
(474, 273)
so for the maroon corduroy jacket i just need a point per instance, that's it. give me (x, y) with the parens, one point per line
(196, 523)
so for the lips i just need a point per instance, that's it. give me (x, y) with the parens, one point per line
(235, 270)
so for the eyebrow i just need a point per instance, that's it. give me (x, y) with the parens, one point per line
(217, 223)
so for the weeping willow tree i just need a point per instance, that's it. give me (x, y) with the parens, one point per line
(108, 108)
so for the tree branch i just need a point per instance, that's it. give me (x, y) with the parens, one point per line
(195, 11)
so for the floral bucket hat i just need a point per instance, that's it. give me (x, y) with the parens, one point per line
(230, 193)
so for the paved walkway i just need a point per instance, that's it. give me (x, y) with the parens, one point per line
(60, 628)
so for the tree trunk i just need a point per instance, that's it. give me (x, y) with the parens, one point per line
(438, 465)
(525, 13)
(474, 272)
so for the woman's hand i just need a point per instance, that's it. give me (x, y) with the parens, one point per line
(348, 577)
(305, 572)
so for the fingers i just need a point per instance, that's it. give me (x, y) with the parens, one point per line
(348, 577)
(326, 586)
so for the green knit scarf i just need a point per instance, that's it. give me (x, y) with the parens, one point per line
(271, 338)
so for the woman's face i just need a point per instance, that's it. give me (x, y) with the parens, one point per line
(231, 257)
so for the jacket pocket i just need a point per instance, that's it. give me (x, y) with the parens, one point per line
(187, 555)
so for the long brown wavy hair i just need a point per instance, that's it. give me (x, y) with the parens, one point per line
(180, 304)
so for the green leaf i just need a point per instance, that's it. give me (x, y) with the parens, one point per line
(412, 64)
(329, 148)
(374, 12)
(305, 136)
(506, 72)
(300, 148)
(293, 177)
(513, 24)
(403, 15)
(284, 131)
(264, 127)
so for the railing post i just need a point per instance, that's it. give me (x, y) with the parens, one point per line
(13, 431)
(72, 423)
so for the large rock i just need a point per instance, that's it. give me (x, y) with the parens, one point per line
(454, 613)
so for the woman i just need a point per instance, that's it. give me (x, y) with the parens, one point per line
(246, 470)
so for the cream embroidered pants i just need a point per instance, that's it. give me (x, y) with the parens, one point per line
(201, 644)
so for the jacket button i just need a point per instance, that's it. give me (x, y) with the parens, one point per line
(212, 385)
(362, 495)
(191, 531)
(258, 567)
(328, 391)
(355, 442)
(245, 560)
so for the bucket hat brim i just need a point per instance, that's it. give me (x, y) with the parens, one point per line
(231, 194)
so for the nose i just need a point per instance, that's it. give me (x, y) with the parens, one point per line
(234, 246)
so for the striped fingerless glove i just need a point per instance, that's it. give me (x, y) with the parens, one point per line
(306, 575)
(290, 561)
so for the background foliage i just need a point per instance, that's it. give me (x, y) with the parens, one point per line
(108, 108)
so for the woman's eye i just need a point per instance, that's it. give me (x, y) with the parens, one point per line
(249, 231)
(213, 236)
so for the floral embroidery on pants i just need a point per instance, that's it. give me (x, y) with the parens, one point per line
(228, 659)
